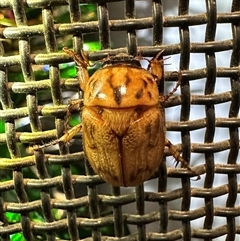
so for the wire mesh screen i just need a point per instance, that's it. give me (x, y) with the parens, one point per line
(53, 194)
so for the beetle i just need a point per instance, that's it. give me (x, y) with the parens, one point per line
(123, 122)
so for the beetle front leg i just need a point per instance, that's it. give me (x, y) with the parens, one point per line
(178, 157)
(82, 64)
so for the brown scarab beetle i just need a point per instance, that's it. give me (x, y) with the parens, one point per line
(123, 122)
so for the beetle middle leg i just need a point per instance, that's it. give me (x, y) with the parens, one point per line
(70, 132)
(71, 107)
(82, 63)
(178, 157)
(64, 139)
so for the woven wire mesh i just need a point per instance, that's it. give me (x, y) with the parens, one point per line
(73, 205)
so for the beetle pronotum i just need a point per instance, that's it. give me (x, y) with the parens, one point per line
(123, 122)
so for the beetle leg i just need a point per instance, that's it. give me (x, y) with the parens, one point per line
(73, 103)
(82, 64)
(70, 108)
(179, 79)
(70, 133)
(64, 139)
(178, 157)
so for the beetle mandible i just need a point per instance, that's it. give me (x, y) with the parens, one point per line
(123, 122)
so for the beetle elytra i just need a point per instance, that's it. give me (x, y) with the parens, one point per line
(123, 122)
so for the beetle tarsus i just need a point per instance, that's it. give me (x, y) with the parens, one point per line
(40, 147)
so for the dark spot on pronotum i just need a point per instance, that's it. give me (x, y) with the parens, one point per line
(117, 94)
(145, 83)
(150, 95)
(150, 80)
(116, 91)
(139, 94)
(110, 81)
(128, 80)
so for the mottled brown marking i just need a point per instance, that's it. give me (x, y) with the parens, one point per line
(103, 173)
(150, 80)
(92, 132)
(116, 91)
(117, 94)
(110, 80)
(150, 95)
(139, 94)
(133, 177)
(145, 83)
(128, 80)
(147, 128)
